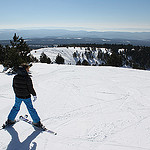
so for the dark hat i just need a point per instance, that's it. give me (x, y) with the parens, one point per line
(25, 65)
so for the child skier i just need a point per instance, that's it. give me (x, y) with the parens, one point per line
(23, 89)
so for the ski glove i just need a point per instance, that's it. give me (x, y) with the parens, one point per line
(34, 98)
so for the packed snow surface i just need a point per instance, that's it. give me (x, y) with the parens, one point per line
(91, 108)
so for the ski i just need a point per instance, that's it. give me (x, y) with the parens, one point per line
(30, 122)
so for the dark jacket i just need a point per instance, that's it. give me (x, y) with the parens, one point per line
(22, 84)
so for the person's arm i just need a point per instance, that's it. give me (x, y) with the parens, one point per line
(13, 85)
(30, 87)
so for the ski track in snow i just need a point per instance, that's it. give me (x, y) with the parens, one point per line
(90, 108)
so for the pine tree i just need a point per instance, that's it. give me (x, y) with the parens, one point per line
(59, 59)
(115, 60)
(85, 63)
(21, 47)
(74, 55)
(17, 53)
(78, 63)
(44, 58)
(2, 54)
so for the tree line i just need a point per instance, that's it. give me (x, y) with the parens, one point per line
(118, 55)
(138, 57)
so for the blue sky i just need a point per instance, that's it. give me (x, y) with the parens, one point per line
(95, 15)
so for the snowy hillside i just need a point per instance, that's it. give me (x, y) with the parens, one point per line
(91, 108)
(53, 52)
(67, 54)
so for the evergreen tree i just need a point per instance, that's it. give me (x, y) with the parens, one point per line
(78, 63)
(17, 53)
(85, 63)
(115, 60)
(99, 56)
(59, 59)
(44, 58)
(12, 59)
(21, 48)
(2, 54)
(74, 55)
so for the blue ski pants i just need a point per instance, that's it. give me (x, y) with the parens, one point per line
(14, 111)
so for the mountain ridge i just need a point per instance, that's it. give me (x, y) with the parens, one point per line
(6, 34)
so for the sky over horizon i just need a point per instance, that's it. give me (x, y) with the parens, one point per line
(90, 15)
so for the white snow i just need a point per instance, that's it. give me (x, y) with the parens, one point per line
(67, 54)
(91, 108)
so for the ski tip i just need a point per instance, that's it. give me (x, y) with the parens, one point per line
(20, 117)
(55, 133)
(3, 126)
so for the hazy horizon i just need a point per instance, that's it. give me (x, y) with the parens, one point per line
(136, 30)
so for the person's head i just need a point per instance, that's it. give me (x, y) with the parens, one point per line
(26, 66)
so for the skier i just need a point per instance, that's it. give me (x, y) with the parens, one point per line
(23, 89)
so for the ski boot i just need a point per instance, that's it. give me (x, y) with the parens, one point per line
(38, 125)
(9, 123)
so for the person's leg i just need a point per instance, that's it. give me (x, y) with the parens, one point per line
(31, 110)
(14, 111)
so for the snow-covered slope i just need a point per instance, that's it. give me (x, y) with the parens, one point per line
(53, 52)
(91, 108)
(67, 54)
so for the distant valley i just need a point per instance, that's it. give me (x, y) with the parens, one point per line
(48, 37)
(49, 42)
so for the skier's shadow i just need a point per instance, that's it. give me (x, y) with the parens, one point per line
(15, 143)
